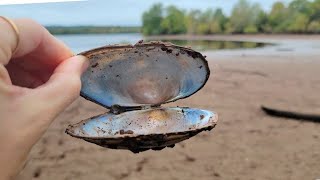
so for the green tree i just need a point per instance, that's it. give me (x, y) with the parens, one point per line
(314, 27)
(218, 22)
(278, 17)
(210, 22)
(298, 23)
(262, 21)
(301, 6)
(205, 20)
(315, 10)
(250, 29)
(192, 21)
(174, 23)
(300, 16)
(151, 20)
(300, 12)
(215, 27)
(244, 16)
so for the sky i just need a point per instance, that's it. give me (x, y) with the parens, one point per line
(107, 12)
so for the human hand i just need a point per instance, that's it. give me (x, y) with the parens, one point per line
(39, 78)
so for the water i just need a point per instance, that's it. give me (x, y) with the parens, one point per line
(202, 45)
(82, 42)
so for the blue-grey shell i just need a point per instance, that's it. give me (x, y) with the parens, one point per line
(144, 74)
(144, 129)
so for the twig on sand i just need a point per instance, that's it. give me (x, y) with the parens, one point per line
(291, 115)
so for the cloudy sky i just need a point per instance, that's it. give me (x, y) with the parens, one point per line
(102, 12)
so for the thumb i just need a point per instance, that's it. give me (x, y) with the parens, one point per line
(43, 104)
(64, 85)
(37, 108)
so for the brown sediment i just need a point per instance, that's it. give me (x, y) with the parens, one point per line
(292, 83)
(126, 132)
(94, 65)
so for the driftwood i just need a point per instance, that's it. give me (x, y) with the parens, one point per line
(291, 115)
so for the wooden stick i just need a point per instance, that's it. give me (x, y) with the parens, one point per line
(291, 115)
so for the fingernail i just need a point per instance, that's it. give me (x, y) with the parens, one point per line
(85, 64)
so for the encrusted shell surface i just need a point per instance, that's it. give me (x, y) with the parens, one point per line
(144, 74)
(144, 129)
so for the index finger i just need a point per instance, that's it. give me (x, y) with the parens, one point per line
(34, 42)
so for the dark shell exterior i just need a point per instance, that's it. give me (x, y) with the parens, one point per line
(150, 73)
(144, 129)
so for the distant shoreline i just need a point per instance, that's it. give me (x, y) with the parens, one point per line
(65, 30)
(60, 30)
(234, 37)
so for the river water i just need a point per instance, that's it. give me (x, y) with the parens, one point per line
(82, 42)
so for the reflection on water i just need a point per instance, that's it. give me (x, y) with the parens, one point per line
(82, 42)
(215, 45)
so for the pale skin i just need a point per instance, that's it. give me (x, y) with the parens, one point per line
(37, 82)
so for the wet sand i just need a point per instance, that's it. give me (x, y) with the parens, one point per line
(246, 143)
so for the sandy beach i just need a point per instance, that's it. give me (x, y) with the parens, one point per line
(246, 144)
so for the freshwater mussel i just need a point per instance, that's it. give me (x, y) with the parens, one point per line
(133, 81)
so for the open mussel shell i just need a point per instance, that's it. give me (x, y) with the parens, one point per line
(144, 129)
(133, 82)
(151, 73)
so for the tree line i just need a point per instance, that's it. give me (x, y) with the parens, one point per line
(299, 16)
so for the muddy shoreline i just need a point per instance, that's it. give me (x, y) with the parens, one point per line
(245, 144)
